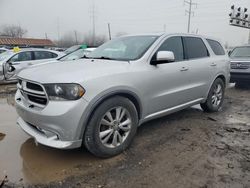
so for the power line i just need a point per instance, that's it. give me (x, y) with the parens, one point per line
(189, 12)
(93, 16)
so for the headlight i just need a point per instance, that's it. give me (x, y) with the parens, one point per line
(59, 92)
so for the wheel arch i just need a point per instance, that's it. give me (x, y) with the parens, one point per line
(133, 97)
(221, 76)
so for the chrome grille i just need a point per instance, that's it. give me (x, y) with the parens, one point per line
(34, 93)
(240, 65)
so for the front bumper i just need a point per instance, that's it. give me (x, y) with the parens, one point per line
(41, 138)
(239, 77)
(59, 124)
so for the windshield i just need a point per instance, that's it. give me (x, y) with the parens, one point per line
(72, 49)
(241, 52)
(5, 55)
(75, 55)
(125, 48)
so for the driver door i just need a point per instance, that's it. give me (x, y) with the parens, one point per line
(169, 81)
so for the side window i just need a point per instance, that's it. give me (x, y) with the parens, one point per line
(53, 55)
(216, 47)
(195, 48)
(22, 56)
(173, 44)
(43, 55)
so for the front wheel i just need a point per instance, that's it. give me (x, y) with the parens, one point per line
(215, 97)
(112, 127)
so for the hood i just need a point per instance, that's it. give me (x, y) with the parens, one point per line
(73, 71)
(240, 59)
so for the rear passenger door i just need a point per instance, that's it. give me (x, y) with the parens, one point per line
(200, 71)
(43, 56)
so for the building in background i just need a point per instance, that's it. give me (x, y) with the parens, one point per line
(25, 42)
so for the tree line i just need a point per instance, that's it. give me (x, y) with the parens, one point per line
(65, 41)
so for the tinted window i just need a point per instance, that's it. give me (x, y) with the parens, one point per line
(22, 56)
(216, 47)
(195, 48)
(173, 44)
(44, 55)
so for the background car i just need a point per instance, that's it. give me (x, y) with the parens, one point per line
(240, 65)
(13, 61)
(74, 48)
(2, 50)
(77, 54)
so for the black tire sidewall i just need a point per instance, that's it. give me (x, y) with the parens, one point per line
(91, 136)
(208, 103)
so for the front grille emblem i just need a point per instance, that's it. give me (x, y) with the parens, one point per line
(238, 65)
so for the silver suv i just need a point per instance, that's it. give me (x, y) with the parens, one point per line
(99, 101)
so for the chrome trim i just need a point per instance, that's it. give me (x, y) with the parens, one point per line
(29, 92)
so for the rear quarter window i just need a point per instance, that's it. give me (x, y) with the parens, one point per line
(195, 48)
(216, 47)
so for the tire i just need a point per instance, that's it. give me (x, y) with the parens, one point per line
(215, 97)
(119, 133)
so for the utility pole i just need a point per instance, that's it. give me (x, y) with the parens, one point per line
(109, 31)
(249, 38)
(189, 12)
(46, 36)
(58, 30)
(93, 23)
(76, 37)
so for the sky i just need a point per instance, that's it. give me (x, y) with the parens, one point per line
(56, 18)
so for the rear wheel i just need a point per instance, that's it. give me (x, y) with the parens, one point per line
(112, 127)
(215, 97)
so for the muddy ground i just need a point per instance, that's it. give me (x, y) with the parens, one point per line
(187, 149)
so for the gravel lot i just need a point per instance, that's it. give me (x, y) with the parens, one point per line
(187, 149)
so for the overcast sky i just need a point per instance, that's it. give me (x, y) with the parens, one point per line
(127, 16)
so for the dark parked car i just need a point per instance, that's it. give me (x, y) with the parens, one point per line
(240, 65)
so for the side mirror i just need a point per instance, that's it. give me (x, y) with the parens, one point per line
(229, 52)
(9, 67)
(163, 57)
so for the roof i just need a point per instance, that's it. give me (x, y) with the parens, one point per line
(25, 42)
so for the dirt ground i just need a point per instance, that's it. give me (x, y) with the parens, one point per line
(187, 149)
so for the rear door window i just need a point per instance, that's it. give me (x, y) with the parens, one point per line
(216, 47)
(195, 48)
(44, 55)
(173, 44)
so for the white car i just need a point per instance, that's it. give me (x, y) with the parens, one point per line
(12, 62)
(2, 50)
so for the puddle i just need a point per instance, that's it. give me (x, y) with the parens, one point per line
(22, 160)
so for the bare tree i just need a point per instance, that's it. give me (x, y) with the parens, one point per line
(99, 40)
(66, 40)
(69, 39)
(13, 31)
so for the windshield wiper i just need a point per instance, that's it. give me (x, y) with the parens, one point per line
(102, 57)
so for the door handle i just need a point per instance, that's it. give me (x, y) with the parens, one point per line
(184, 69)
(213, 64)
(30, 63)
